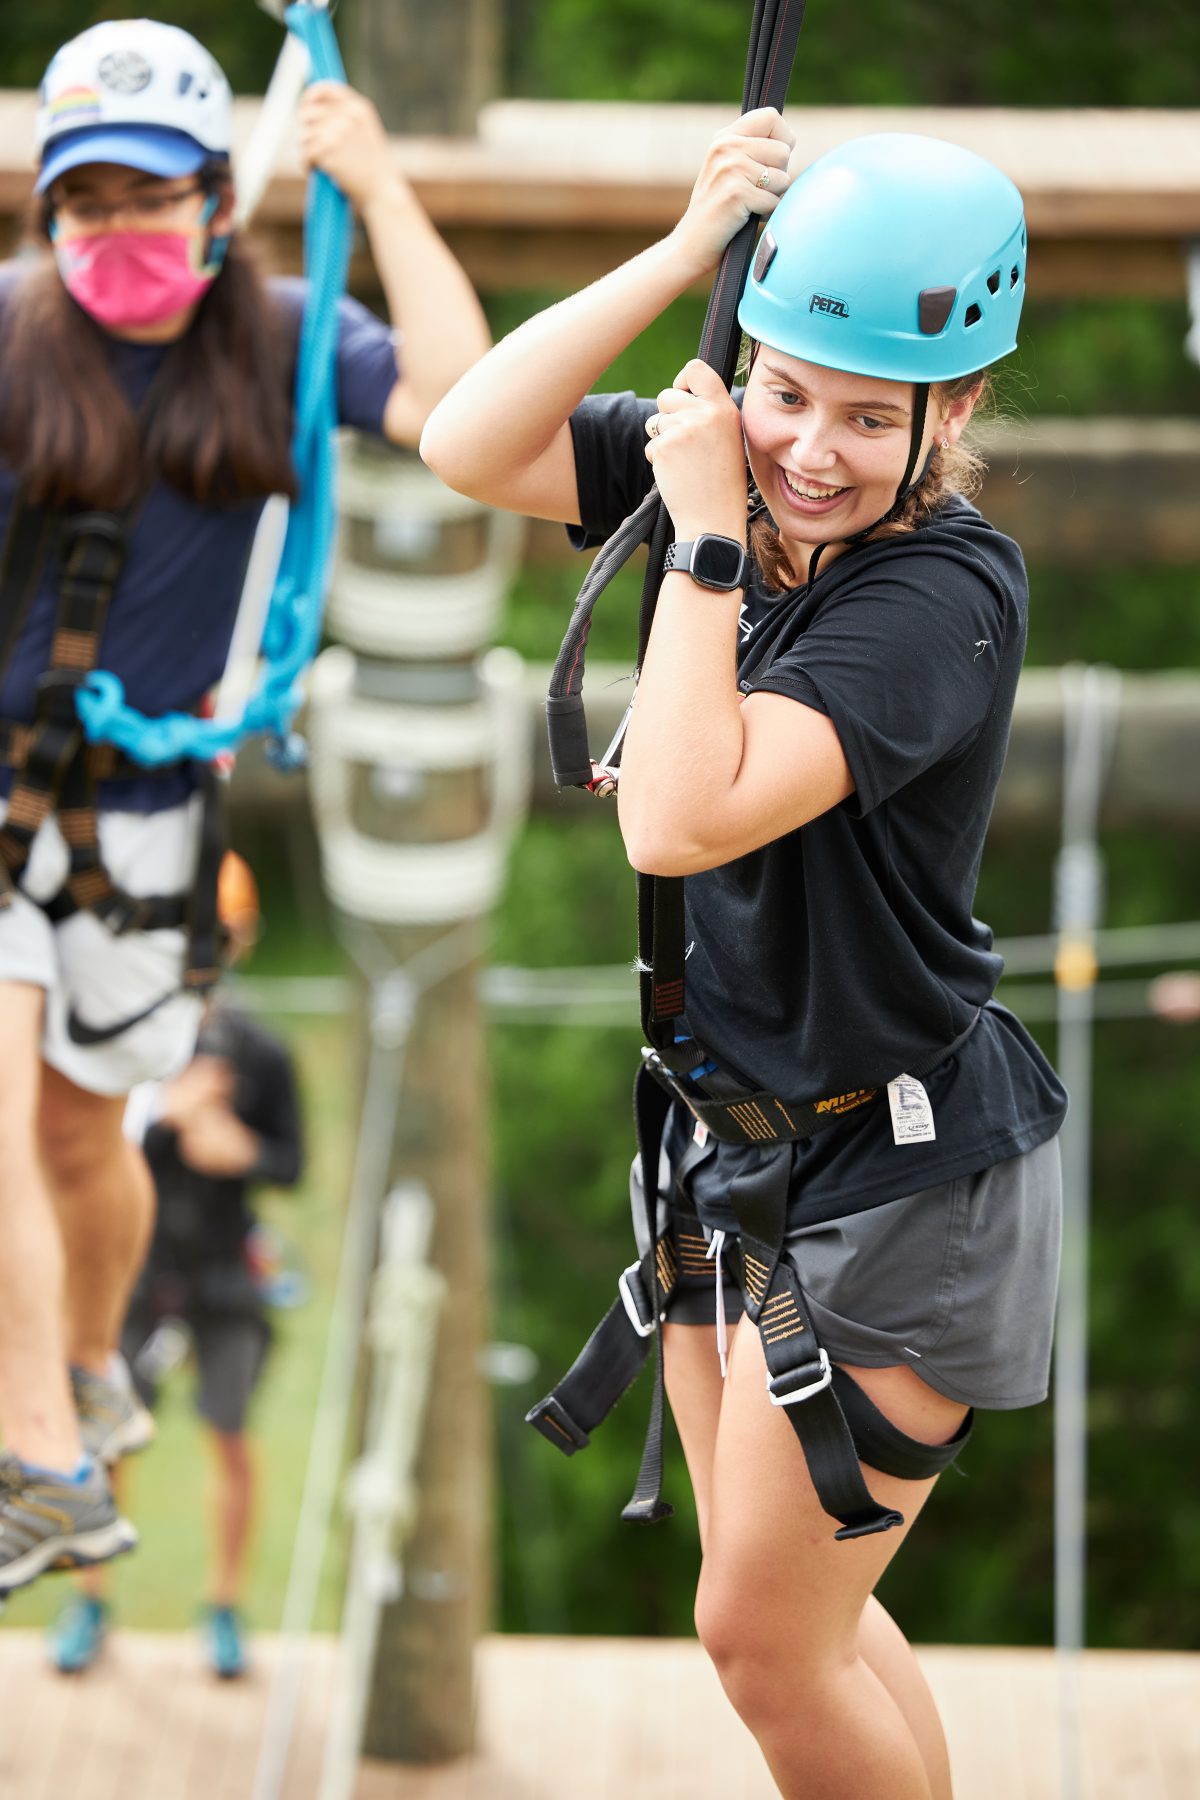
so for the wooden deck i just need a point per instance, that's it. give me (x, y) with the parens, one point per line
(570, 1719)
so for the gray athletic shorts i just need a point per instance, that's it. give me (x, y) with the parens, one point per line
(958, 1281)
(230, 1350)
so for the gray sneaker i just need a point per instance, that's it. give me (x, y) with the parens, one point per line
(48, 1523)
(112, 1420)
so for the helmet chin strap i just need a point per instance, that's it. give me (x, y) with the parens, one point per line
(908, 481)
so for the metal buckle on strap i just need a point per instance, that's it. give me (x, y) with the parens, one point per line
(630, 1304)
(779, 1397)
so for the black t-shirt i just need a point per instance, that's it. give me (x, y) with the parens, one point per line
(203, 1220)
(833, 957)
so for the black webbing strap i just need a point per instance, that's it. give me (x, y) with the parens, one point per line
(92, 551)
(617, 1350)
(26, 547)
(205, 932)
(650, 1108)
(774, 34)
(883, 1446)
(799, 1373)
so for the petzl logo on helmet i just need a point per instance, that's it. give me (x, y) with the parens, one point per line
(826, 303)
(124, 71)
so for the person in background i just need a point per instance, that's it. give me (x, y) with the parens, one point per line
(227, 1125)
(146, 376)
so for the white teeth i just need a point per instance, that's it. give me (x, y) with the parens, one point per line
(811, 493)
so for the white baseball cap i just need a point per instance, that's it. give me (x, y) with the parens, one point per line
(136, 92)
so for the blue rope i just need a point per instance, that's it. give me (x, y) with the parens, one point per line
(292, 630)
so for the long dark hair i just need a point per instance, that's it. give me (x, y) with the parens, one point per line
(217, 425)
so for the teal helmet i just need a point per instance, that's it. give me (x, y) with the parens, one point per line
(894, 255)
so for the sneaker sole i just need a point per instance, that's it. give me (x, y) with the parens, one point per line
(134, 1434)
(74, 1550)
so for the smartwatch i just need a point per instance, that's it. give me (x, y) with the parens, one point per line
(714, 562)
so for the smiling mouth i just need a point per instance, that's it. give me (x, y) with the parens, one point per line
(806, 491)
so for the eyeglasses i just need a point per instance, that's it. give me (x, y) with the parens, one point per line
(146, 208)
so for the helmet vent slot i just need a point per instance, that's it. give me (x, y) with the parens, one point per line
(934, 306)
(1014, 275)
(765, 255)
(972, 316)
(993, 282)
(185, 81)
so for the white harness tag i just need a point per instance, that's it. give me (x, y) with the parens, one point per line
(700, 1135)
(912, 1115)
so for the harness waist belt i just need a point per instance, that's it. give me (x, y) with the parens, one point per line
(741, 1116)
(103, 762)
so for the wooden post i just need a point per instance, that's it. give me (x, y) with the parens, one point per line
(421, 1697)
(428, 68)
(415, 784)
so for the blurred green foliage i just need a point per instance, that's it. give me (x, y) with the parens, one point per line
(875, 53)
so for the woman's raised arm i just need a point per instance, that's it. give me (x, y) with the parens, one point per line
(501, 433)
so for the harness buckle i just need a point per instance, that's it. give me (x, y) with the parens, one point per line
(779, 1393)
(630, 1304)
(56, 690)
(107, 527)
(123, 912)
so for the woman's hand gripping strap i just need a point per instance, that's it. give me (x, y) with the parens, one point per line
(774, 35)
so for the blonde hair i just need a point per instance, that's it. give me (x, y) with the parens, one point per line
(956, 469)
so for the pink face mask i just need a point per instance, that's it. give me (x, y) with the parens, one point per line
(135, 278)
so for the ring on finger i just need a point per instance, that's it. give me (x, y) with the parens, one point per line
(653, 425)
(764, 179)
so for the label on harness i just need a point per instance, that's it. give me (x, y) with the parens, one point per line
(912, 1115)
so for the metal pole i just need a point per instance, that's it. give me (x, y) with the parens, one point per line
(1090, 701)
(392, 1004)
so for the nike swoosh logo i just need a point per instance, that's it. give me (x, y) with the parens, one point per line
(85, 1035)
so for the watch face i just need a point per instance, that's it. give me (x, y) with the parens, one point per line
(718, 561)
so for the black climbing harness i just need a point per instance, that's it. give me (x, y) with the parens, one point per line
(836, 1423)
(56, 771)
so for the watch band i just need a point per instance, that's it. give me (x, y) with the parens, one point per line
(711, 560)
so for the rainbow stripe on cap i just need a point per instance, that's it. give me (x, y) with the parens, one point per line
(73, 103)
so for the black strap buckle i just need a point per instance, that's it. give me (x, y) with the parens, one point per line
(793, 1386)
(55, 690)
(106, 527)
(637, 1303)
(553, 1420)
(123, 912)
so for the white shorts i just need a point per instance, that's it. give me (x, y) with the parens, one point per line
(96, 979)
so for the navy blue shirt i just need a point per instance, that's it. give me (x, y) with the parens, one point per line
(832, 958)
(172, 614)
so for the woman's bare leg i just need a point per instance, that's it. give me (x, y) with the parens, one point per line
(37, 1416)
(104, 1197)
(814, 1666)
